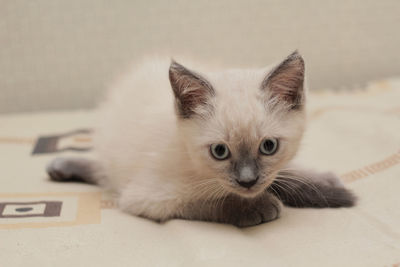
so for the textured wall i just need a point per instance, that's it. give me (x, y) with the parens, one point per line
(62, 54)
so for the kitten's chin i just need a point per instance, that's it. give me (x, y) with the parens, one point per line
(246, 192)
(251, 192)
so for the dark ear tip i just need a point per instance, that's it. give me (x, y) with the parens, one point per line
(174, 64)
(296, 51)
(295, 55)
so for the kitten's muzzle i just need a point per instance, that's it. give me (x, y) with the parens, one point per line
(247, 183)
(247, 175)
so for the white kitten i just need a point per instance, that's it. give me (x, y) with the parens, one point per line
(216, 147)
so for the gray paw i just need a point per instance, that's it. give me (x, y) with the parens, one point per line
(71, 169)
(58, 170)
(258, 216)
(254, 213)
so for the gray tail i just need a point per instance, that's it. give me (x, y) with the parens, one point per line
(73, 169)
(310, 194)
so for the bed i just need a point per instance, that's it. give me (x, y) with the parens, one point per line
(353, 133)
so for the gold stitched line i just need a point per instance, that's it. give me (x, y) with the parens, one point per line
(108, 204)
(83, 139)
(372, 168)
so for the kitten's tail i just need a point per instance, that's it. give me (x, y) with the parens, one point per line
(73, 169)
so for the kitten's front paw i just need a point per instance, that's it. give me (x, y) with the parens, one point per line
(258, 216)
(251, 214)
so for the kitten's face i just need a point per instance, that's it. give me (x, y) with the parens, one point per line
(240, 128)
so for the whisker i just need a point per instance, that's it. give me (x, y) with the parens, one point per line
(289, 176)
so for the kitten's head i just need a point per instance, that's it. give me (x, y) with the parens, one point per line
(240, 127)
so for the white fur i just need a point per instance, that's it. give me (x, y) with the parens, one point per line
(157, 163)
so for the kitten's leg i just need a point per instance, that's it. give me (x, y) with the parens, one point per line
(161, 201)
(73, 169)
(304, 188)
(236, 210)
(151, 198)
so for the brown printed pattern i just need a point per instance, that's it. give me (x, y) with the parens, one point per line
(372, 168)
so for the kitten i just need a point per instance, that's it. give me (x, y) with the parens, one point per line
(217, 148)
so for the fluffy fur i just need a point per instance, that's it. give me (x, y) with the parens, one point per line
(153, 144)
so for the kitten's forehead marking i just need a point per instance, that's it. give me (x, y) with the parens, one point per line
(243, 135)
(245, 165)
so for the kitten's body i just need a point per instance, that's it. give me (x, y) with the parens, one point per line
(157, 157)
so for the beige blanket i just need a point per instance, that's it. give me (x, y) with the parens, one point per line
(355, 134)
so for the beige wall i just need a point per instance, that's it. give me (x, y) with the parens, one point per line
(61, 54)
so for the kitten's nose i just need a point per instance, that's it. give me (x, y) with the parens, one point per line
(248, 183)
(247, 176)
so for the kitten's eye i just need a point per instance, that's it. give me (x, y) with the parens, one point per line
(219, 151)
(269, 146)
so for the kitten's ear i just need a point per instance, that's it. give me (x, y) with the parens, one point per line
(192, 92)
(285, 81)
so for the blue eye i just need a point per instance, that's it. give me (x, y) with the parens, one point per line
(269, 146)
(219, 151)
